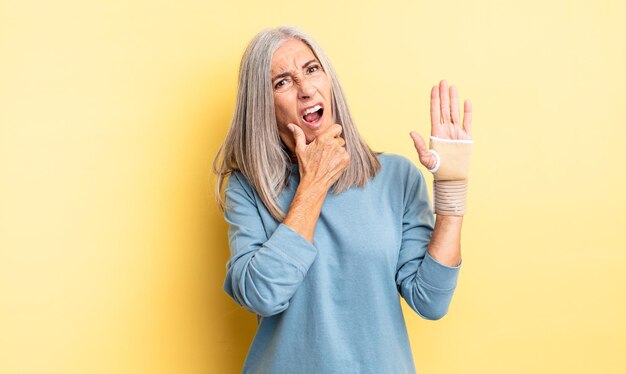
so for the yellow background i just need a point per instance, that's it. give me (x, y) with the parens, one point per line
(112, 252)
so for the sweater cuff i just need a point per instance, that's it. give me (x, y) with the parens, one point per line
(438, 275)
(293, 246)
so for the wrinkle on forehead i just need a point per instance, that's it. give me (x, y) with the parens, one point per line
(290, 57)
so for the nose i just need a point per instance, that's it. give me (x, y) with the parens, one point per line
(306, 90)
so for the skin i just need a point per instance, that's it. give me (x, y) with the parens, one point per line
(320, 151)
(445, 245)
(305, 85)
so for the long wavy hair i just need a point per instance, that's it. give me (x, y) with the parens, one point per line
(253, 146)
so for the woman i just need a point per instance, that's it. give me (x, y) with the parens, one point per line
(324, 233)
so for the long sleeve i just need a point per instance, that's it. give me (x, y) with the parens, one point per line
(333, 306)
(263, 273)
(425, 284)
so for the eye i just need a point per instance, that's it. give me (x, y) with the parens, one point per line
(283, 84)
(312, 68)
(280, 83)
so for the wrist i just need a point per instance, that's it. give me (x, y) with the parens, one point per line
(450, 175)
(450, 197)
(312, 187)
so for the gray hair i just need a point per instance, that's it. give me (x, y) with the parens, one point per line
(253, 145)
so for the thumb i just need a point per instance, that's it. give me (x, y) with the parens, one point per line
(298, 136)
(427, 158)
(419, 144)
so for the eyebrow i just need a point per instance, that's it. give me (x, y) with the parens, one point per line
(287, 73)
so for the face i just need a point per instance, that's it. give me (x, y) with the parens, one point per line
(302, 92)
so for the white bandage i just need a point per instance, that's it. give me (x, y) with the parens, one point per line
(437, 161)
(450, 173)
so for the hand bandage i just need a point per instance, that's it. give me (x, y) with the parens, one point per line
(450, 173)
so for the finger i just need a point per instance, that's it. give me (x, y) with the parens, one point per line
(435, 110)
(467, 117)
(298, 136)
(340, 141)
(426, 157)
(444, 96)
(454, 106)
(332, 132)
(419, 144)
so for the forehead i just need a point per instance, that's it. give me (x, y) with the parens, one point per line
(291, 55)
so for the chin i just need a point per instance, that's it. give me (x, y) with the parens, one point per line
(311, 134)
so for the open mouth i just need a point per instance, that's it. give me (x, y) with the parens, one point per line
(313, 114)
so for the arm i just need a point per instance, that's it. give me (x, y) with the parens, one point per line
(321, 163)
(429, 280)
(264, 273)
(445, 245)
(450, 170)
(426, 283)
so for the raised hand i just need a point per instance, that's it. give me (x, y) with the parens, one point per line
(324, 160)
(445, 121)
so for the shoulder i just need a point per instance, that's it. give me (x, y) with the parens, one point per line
(238, 183)
(393, 159)
(393, 165)
(400, 174)
(236, 179)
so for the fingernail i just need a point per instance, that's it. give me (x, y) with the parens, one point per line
(290, 127)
